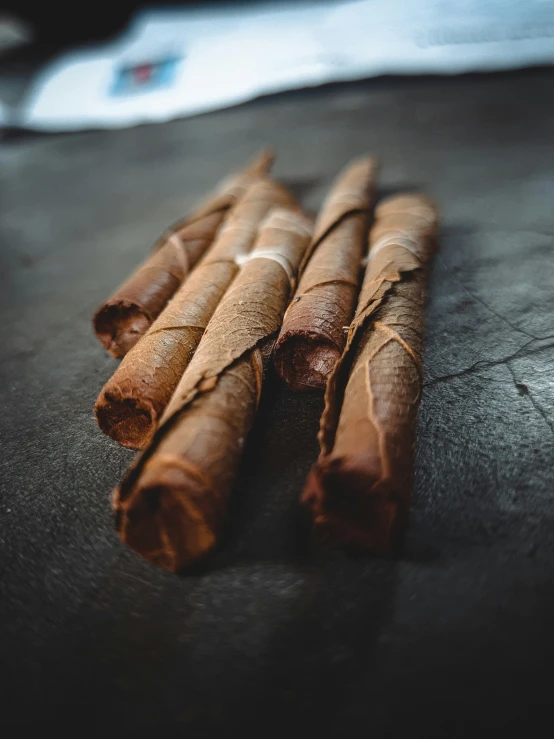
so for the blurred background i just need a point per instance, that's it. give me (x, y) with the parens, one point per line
(111, 65)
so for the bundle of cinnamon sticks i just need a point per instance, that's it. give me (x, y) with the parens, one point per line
(246, 283)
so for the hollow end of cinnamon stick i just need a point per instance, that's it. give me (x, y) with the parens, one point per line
(119, 325)
(165, 519)
(352, 506)
(304, 360)
(129, 421)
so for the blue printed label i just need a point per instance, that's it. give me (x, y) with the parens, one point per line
(138, 78)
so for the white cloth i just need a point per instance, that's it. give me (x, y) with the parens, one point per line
(178, 63)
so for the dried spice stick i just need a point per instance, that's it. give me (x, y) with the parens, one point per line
(172, 504)
(313, 334)
(359, 490)
(126, 316)
(134, 398)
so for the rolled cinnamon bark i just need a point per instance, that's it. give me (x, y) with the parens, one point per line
(121, 321)
(172, 503)
(313, 333)
(134, 398)
(359, 490)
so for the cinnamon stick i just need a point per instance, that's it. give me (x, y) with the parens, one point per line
(127, 314)
(132, 401)
(172, 504)
(313, 334)
(359, 490)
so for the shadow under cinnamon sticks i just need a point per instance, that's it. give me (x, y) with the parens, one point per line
(323, 645)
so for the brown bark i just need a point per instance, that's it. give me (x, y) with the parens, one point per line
(172, 504)
(126, 316)
(132, 401)
(359, 490)
(313, 334)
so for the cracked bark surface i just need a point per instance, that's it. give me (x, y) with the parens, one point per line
(132, 401)
(359, 489)
(171, 506)
(313, 334)
(126, 316)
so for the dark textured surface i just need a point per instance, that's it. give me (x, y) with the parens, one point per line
(455, 638)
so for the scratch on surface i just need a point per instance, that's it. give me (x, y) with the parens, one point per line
(484, 363)
(533, 401)
(136, 578)
(487, 307)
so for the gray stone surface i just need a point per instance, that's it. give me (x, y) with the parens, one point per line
(275, 635)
